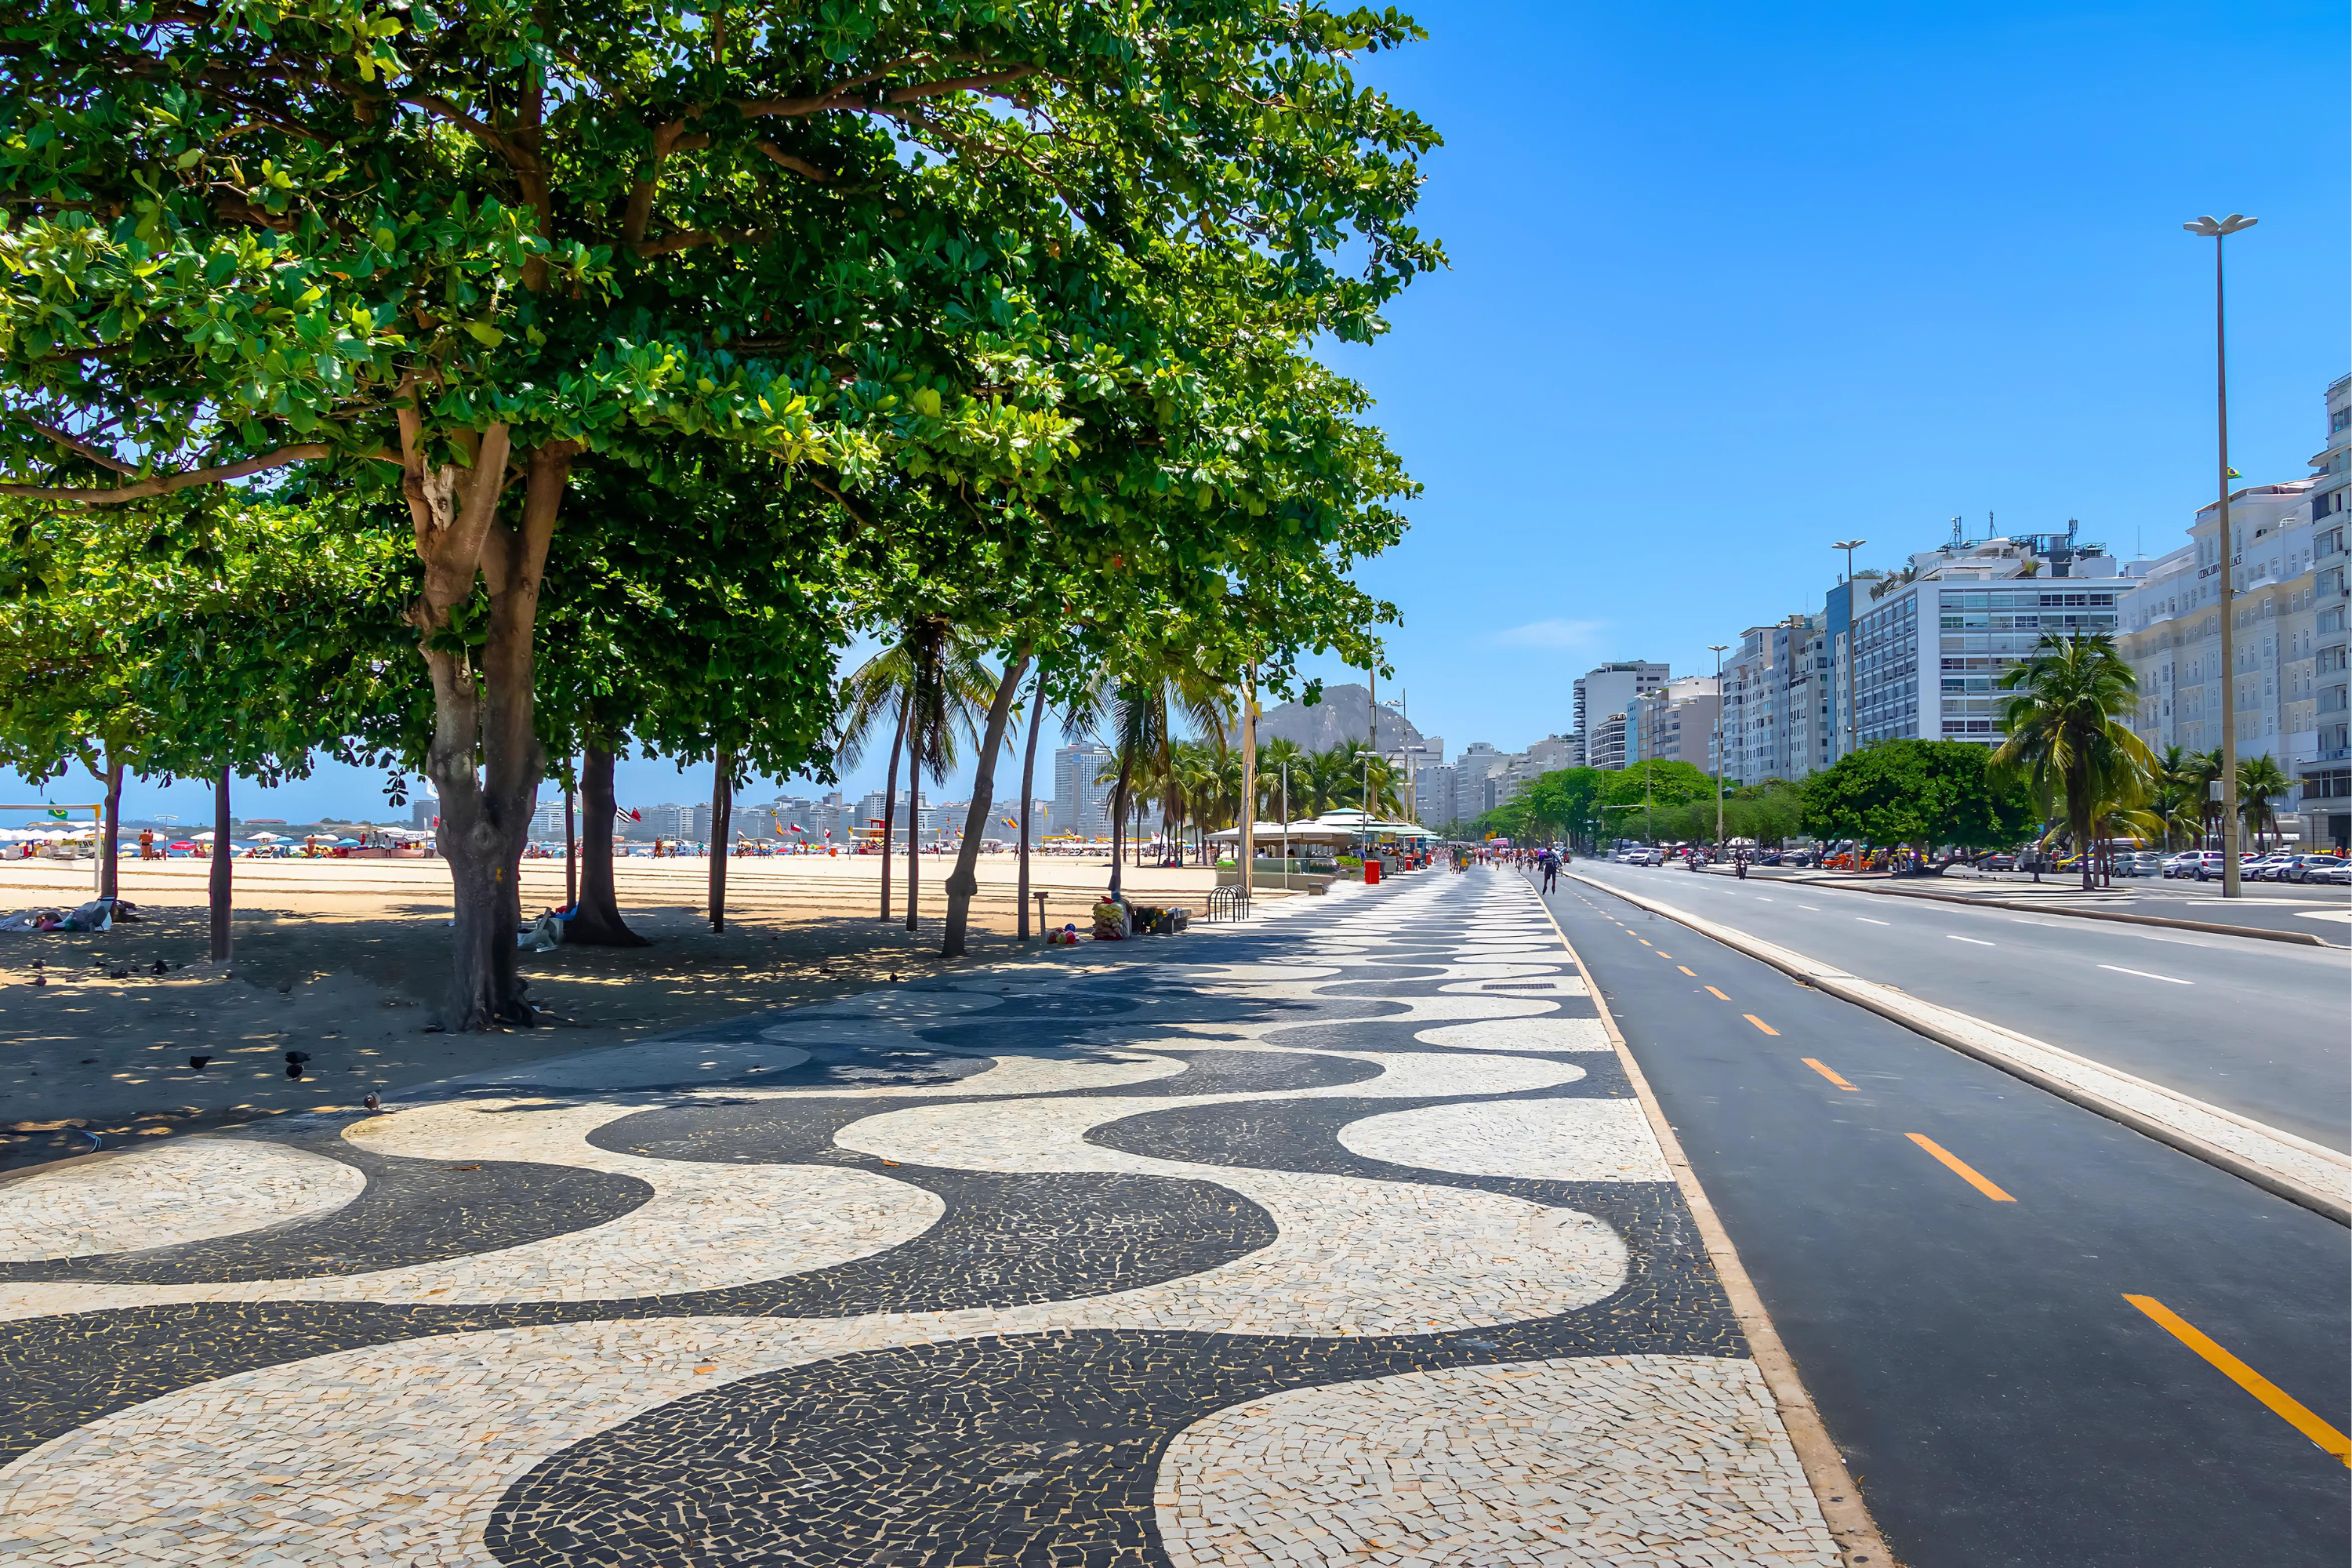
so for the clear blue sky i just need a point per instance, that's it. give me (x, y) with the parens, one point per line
(1731, 281)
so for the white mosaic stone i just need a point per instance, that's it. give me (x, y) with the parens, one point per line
(191, 1190)
(1520, 1034)
(1557, 1139)
(707, 1225)
(1615, 1460)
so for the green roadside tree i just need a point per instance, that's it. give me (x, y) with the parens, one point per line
(454, 251)
(1920, 793)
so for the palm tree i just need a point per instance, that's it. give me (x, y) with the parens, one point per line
(2175, 794)
(2259, 782)
(1132, 713)
(2069, 734)
(2203, 768)
(933, 682)
(1272, 757)
(1330, 778)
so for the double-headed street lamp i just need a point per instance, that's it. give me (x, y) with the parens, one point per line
(2217, 230)
(1853, 620)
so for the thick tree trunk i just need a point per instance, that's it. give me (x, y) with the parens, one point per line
(110, 845)
(723, 837)
(485, 756)
(964, 882)
(1028, 785)
(219, 880)
(890, 799)
(596, 915)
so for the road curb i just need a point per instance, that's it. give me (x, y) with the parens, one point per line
(1859, 1543)
(2000, 1048)
(2260, 933)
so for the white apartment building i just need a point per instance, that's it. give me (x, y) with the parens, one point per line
(1604, 743)
(1931, 643)
(1776, 718)
(1603, 690)
(1081, 804)
(2172, 634)
(2326, 778)
(1674, 724)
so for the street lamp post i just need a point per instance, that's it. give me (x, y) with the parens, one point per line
(1852, 705)
(2218, 230)
(1717, 648)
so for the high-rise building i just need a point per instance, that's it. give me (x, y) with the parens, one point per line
(1775, 704)
(1930, 644)
(1605, 690)
(2326, 776)
(2171, 633)
(547, 820)
(1604, 745)
(1674, 724)
(1080, 801)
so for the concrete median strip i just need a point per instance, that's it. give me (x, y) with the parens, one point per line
(2215, 928)
(2310, 1174)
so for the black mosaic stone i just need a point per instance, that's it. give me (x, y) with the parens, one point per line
(1018, 1449)
(1031, 1449)
(411, 1210)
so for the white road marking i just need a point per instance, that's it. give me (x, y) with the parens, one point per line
(1762, 900)
(1867, 921)
(1972, 941)
(2144, 974)
(1808, 907)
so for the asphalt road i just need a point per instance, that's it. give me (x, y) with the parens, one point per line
(2263, 1028)
(1997, 1396)
(2323, 911)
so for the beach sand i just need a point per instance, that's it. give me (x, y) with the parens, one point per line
(347, 960)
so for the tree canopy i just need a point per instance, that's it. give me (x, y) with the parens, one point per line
(1923, 794)
(792, 322)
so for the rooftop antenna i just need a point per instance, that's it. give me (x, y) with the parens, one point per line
(1955, 530)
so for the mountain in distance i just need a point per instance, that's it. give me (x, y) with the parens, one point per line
(1344, 714)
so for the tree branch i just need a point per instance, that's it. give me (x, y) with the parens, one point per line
(669, 245)
(103, 459)
(798, 165)
(164, 484)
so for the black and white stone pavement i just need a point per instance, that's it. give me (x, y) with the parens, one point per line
(1335, 1237)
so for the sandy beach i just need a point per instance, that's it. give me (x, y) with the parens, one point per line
(345, 960)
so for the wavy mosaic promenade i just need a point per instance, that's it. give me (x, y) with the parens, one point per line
(1336, 1238)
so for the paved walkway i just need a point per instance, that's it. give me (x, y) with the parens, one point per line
(1336, 1238)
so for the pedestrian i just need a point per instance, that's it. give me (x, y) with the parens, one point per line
(1550, 864)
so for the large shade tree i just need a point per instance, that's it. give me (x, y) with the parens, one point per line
(461, 249)
(198, 636)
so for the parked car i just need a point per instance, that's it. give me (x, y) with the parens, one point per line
(2304, 864)
(1999, 860)
(2265, 868)
(2202, 864)
(2334, 870)
(2183, 863)
(2140, 863)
